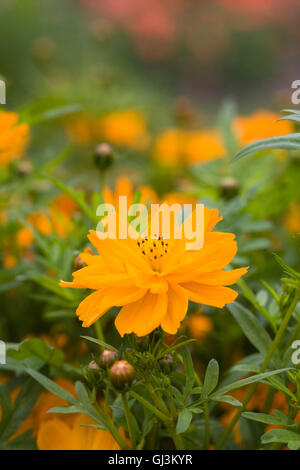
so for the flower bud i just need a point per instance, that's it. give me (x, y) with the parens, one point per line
(121, 374)
(108, 357)
(93, 372)
(229, 187)
(167, 363)
(142, 343)
(78, 263)
(104, 156)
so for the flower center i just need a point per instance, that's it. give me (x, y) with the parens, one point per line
(154, 249)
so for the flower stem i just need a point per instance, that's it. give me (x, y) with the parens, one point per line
(112, 428)
(98, 329)
(177, 441)
(128, 420)
(275, 343)
(206, 427)
(151, 408)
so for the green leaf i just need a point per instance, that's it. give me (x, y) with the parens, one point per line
(35, 347)
(22, 408)
(211, 377)
(264, 418)
(282, 436)
(247, 381)
(99, 342)
(285, 142)
(52, 387)
(228, 399)
(251, 327)
(184, 420)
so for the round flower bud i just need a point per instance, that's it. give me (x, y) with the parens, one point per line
(78, 263)
(103, 156)
(229, 187)
(108, 357)
(167, 363)
(93, 372)
(121, 374)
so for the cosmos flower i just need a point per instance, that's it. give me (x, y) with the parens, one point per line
(13, 137)
(56, 434)
(153, 279)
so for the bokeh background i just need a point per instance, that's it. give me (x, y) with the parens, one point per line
(173, 86)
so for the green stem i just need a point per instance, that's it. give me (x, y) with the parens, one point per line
(156, 398)
(98, 329)
(276, 341)
(128, 420)
(177, 441)
(112, 428)
(206, 427)
(151, 408)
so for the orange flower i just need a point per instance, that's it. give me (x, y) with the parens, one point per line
(13, 137)
(56, 434)
(125, 129)
(260, 125)
(124, 187)
(292, 218)
(153, 279)
(176, 146)
(204, 146)
(199, 325)
(170, 147)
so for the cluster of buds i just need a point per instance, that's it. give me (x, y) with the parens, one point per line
(120, 373)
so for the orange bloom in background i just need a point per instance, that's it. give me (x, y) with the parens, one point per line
(204, 146)
(153, 279)
(13, 137)
(82, 129)
(125, 129)
(169, 148)
(124, 187)
(292, 218)
(198, 325)
(260, 125)
(176, 146)
(56, 434)
(57, 220)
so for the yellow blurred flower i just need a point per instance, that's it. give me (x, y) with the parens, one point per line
(260, 125)
(13, 137)
(198, 325)
(56, 434)
(175, 147)
(292, 218)
(125, 129)
(169, 148)
(124, 187)
(203, 146)
(82, 129)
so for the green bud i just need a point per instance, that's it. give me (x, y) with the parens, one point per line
(121, 374)
(104, 156)
(229, 188)
(108, 357)
(142, 343)
(167, 363)
(93, 373)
